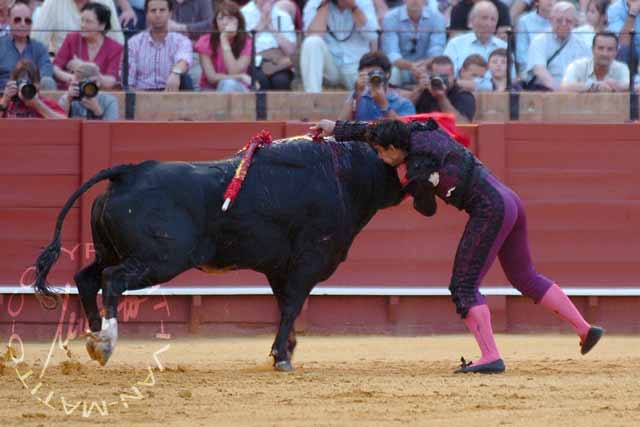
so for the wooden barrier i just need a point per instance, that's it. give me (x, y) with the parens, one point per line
(578, 181)
(490, 106)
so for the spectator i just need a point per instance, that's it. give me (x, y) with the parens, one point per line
(411, 34)
(17, 45)
(132, 16)
(461, 16)
(16, 104)
(103, 106)
(530, 25)
(551, 53)
(5, 6)
(372, 98)
(596, 18)
(443, 93)
(192, 18)
(339, 32)
(275, 43)
(601, 72)
(623, 20)
(92, 45)
(159, 59)
(56, 15)
(473, 72)
(225, 55)
(483, 19)
(497, 81)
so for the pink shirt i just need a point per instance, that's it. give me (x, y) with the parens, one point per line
(150, 63)
(107, 59)
(203, 46)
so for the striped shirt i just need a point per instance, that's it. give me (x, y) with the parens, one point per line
(150, 62)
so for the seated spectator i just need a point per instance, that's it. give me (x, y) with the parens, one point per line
(596, 18)
(551, 53)
(192, 18)
(17, 45)
(622, 16)
(518, 7)
(103, 106)
(473, 72)
(530, 25)
(411, 34)
(159, 59)
(461, 16)
(601, 72)
(438, 91)
(5, 6)
(338, 32)
(132, 16)
(225, 55)
(483, 19)
(57, 15)
(21, 97)
(91, 45)
(497, 81)
(372, 98)
(275, 43)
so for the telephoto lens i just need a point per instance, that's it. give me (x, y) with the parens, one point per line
(376, 78)
(88, 89)
(27, 89)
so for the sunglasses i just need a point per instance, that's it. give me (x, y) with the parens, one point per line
(19, 19)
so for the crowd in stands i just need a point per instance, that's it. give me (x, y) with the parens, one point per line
(395, 57)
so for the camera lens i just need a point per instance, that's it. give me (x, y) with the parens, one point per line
(88, 89)
(27, 90)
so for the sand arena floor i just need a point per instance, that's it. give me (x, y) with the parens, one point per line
(340, 381)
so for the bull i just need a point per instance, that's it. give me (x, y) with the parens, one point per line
(300, 208)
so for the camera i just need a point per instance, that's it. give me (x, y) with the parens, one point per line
(439, 82)
(27, 89)
(377, 78)
(87, 89)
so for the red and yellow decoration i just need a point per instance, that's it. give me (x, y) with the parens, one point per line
(260, 140)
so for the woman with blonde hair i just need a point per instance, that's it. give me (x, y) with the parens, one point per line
(57, 17)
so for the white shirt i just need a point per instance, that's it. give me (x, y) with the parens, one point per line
(543, 46)
(581, 71)
(280, 20)
(460, 47)
(349, 43)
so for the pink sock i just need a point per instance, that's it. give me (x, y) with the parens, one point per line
(557, 301)
(478, 321)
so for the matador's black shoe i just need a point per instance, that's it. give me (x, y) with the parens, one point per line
(592, 338)
(495, 367)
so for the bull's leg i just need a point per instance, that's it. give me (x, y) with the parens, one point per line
(88, 282)
(292, 304)
(277, 286)
(129, 275)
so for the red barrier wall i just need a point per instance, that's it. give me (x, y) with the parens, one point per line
(579, 184)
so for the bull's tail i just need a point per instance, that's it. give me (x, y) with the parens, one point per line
(47, 297)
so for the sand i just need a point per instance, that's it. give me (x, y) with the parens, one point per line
(345, 381)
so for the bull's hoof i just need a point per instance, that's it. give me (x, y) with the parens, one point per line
(91, 347)
(100, 349)
(283, 366)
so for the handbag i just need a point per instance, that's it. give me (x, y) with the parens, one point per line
(274, 60)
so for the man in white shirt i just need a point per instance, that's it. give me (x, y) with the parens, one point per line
(483, 19)
(274, 30)
(551, 53)
(338, 32)
(601, 72)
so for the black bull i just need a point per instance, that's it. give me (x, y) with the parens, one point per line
(295, 218)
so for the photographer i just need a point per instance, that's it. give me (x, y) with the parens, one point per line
(21, 98)
(372, 99)
(438, 91)
(87, 102)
